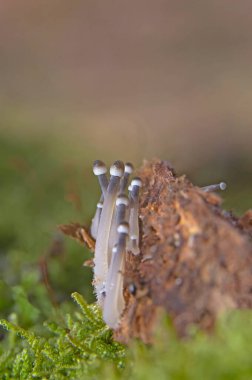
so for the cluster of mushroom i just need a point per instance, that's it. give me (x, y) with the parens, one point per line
(115, 228)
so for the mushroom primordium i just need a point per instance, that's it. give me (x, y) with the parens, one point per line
(115, 223)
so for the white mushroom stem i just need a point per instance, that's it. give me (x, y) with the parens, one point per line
(128, 170)
(122, 203)
(101, 247)
(96, 219)
(114, 301)
(129, 195)
(100, 170)
(112, 236)
(215, 187)
(133, 218)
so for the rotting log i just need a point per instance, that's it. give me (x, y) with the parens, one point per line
(195, 260)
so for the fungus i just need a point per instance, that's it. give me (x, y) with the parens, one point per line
(215, 187)
(96, 219)
(122, 203)
(101, 247)
(136, 183)
(100, 170)
(128, 170)
(110, 227)
(114, 299)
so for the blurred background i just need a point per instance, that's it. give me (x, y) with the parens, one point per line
(131, 79)
(82, 80)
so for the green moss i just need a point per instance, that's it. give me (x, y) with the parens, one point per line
(71, 346)
(76, 345)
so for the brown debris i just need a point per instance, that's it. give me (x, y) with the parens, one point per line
(79, 233)
(195, 261)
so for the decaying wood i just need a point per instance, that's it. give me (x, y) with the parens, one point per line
(195, 261)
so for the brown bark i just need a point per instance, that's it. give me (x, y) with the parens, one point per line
(195, 260)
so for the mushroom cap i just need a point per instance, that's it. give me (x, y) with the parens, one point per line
(223, 186)
(123, 228)
(128, 168)
(133, 236)
(136, 182)
(117, 169)
(99, 168)
(122, 199)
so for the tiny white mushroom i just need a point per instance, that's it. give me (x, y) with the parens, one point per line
(96, 220)
(100, 170)
(122, 203)
(128, 170)
(114, 300)
(129, 194)
(136, 183)
(215, 187)
(101, 246)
